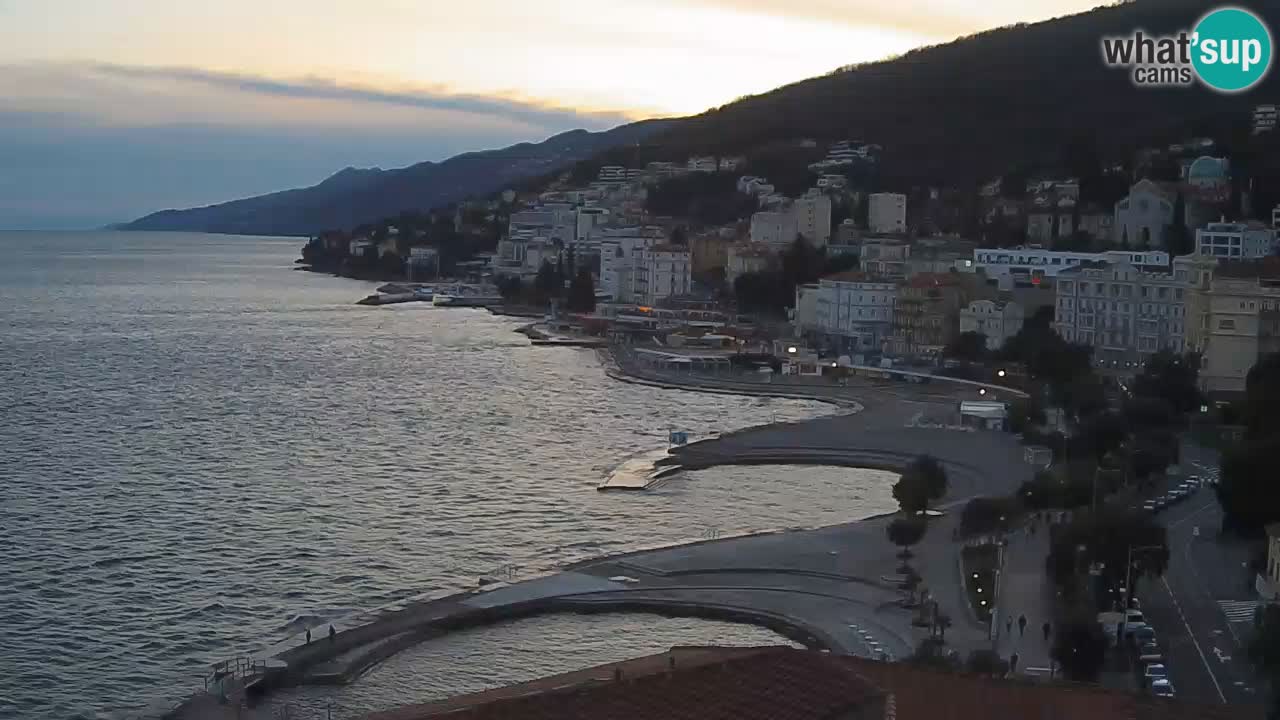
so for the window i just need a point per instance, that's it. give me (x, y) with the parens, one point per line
(1177, 293)
(1227, 324)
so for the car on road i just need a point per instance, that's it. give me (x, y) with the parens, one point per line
(1149, 652)
(1142, 634)
(1162, 688)
(1155, 671)
(1151, 506)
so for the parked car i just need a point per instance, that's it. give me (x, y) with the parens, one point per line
(1155, 671)
(1149, 652)
(1143, 634)
(1151, 506)
(1162, 688)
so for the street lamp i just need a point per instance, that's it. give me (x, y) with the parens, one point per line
(982, 391)
(792, 350)
(1000, 373)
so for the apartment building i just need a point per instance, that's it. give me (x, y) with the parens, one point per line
(885, 257)
(926, 313)
(854, 310)
(1240, 322)
(887, 212)
(660, 272)
(1126, 312)
(1020, 266)
(996, 320)
(1236, 241)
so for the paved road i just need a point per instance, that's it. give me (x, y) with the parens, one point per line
(1204, 651)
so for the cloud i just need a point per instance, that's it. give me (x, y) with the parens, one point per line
(84, 145)
(531, 112)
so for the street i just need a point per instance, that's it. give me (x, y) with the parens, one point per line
(1204, 652)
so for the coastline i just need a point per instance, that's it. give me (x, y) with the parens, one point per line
(592, 584)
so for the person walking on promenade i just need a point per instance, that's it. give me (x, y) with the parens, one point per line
(1008, 625)
(1022, 625)
(332, 635)
(1013, 663)
(1048, 629)
(308, 636)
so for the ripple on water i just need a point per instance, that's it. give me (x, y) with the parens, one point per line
(202, 446)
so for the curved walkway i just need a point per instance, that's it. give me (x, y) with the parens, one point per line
(823, 585)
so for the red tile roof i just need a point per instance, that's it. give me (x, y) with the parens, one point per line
(777, 683)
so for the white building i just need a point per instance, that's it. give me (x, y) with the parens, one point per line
(660, 272)
(775, 228)
(855, 310)
(746, 259)
(1235, 241)
(998, 321)
(1125, 312)
(887, 212)
(1141, 218)
(813, 218)
(588, 218)
(613, 174)
(618, 251)
(1030, 266)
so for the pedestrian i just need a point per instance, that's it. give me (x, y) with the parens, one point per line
(1047, 628)
(1013, 662)
(308, 636)
(1008, 625)
(1022, 625)
(333, 635)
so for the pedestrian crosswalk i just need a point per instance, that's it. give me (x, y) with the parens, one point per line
(1238, 611)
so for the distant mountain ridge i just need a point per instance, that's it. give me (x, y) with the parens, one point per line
(354, 196)
(957, 113)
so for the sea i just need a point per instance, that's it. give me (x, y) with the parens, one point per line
(204, 450)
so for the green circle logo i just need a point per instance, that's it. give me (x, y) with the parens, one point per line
(1231, 49)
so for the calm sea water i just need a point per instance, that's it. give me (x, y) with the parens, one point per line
(203, 450)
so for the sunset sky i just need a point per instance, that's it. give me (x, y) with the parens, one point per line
(113, 108)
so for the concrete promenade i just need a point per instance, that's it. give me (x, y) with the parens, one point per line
(832, 587)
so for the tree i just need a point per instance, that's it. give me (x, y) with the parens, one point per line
(1264, 650)
(1262, 397)
(582, 293)
(906, 531)
(922, 481)
(1026, 413)
(1172, 377)
(548, 283)
(986, 515)
(1177, 237)
(1247, 491)
(911, 493)
(1104, 539)
(970, 346)
(1080, 647)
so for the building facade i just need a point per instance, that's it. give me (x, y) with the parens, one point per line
(884, 257)
(855, 310)
(1124, 311)
(996, 321)
(660, 272)
(1235, 241)
(618, 251)
(926, 314)
(813, 218)
(1143, 216)
(743, 259)
(1020, 266)
(887, 212)
(775, 228)
(1240, 323)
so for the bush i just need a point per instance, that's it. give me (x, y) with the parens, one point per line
(984, 515)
